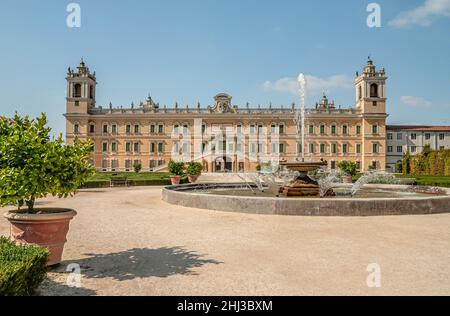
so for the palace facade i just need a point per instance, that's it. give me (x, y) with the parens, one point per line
(225, 137)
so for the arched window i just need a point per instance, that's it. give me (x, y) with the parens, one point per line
(91, 92)
(77, 90)
(374, 90)
(359, 92)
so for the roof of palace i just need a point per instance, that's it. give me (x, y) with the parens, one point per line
(222, 105)
(419, 128)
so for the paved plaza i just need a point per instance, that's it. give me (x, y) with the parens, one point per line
(129, 242)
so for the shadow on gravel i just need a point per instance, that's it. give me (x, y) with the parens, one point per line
(141, 263)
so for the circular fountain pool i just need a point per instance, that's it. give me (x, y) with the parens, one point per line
(371, 200)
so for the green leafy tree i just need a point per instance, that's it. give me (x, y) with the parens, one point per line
(137, 167)
(348, 167)
(194, 168)
(32, 165)
(176, 168)
(406, 168)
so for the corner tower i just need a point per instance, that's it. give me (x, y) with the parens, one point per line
(371, 89)
(81, 89)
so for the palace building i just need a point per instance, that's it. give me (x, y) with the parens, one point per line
(225, 137)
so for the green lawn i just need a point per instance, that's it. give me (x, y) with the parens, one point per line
(430, 180)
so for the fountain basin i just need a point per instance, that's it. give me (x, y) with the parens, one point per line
(196, 196)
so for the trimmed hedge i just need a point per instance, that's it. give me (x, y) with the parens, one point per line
(134, 183)
(22, 268)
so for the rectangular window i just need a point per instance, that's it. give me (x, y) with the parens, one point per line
(160, 129)
(311, 148)
(185, 148)
(273, 129)
(358, 148)
(333, 165)
(239, 147)
(260, 148)
(136, 129)
(152, 148)
(128, 147)
(399, 136)
(160, 148)
(253, 148)
(374, 129)
(413, 149)
(274, 148)
(114, 129)
(152, 164)
(152, 129)
(322, 148)
(413, 136)
(344, 148)
(333, 130)
(260, 129)
(322, 129)
(375, 148)
(311, 129)
(136, 147)
(105, 164)
(282, 148)
(252, 129)
(299, 148)
(114, 147)
(128, 129)
(105, 147)
(333, 148)
(345, 130)
(92, 129)
(281, 128)
(399, 149)
(441, 147)
(390, 136)
(105, 128)
(390, 149)
(358, 130)
(128, 164)
(441, 136)
(239, 129)
(114, 164)
(77, 103)
(427, 136)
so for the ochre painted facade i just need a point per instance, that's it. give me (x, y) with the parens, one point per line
(225, 137)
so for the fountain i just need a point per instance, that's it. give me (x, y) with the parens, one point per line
(303, 185)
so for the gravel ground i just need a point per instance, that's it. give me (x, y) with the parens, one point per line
(129, 242)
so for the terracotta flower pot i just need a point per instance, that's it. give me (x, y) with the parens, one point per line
(193, 179)
(347, 179)
(48, 229)
(175, 180)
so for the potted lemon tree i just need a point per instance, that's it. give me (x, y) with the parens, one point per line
(194, 170)
(32, 166)
(176, 170)
(349, 168)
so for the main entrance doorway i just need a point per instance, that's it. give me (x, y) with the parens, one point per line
(223, 164)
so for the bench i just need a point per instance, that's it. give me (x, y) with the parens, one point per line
(118, 181)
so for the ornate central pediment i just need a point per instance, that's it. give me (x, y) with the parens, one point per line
(222, 104)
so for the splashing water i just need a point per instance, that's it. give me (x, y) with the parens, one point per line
(375, 177)
(327, 182)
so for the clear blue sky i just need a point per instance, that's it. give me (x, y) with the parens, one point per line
(188, 51)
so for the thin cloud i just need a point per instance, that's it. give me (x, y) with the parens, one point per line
(422, 15)
(416, 102)
(315, 85)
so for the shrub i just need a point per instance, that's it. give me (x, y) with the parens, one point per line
(348, 167)
(33, 166)
(22, 268)
(137, 167)
(406, 168)
(194, 168)
(399, 166)
(176, 168)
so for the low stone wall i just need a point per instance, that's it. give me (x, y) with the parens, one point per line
(183, 196)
